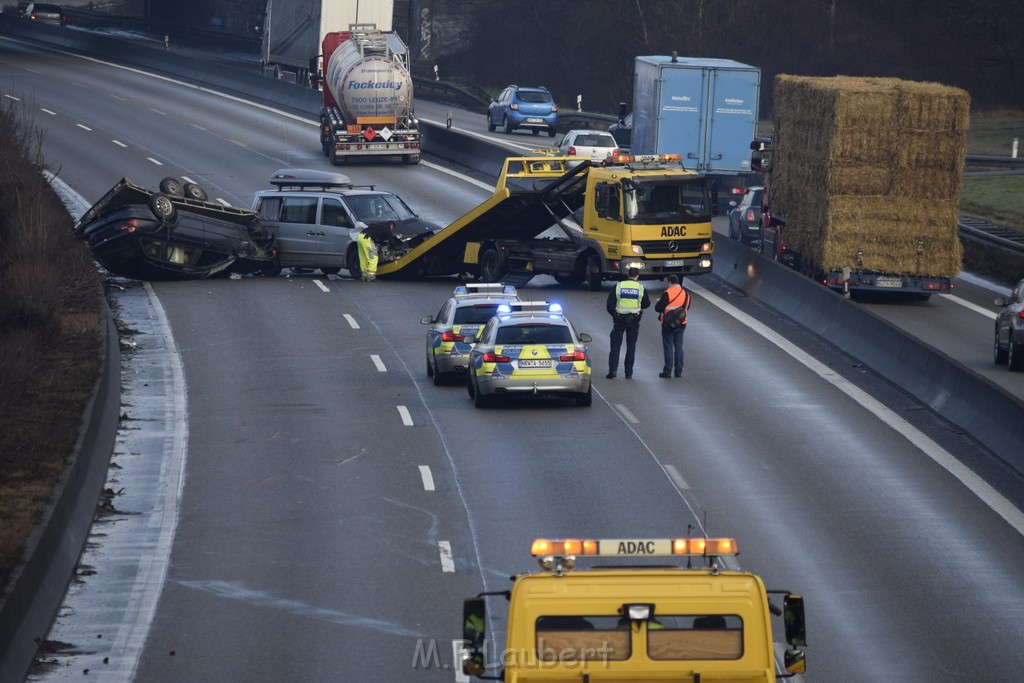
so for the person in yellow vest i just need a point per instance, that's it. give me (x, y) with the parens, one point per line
(625, 304)
(674, 305)
(369, 242)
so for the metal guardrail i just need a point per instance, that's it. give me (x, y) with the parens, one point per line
(993, 234)
(984, 160)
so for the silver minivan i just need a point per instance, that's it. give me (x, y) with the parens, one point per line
(315, 216)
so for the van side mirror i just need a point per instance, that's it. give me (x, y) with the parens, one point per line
(474, 620)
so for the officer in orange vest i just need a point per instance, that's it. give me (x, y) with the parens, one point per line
(674, 305)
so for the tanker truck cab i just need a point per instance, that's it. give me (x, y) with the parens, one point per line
(650, 213)
(683, 619)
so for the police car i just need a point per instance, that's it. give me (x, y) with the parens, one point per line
(529, 348)
(459, 319)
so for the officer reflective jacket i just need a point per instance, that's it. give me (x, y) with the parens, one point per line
(628, 295)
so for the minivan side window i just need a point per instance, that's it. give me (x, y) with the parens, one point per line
(333, 213)
(269, 208)
(299, 210)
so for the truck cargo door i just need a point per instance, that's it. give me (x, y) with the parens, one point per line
(733, 112)
(682, 106)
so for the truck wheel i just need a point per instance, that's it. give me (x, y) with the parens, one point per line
(565, 279)
(352, 264)
(592, 274)
(1000, 356)
(411, 158)
(492, 266)
(335, 159)
(193, 191)
(163, 208)
(172, 187)
(508, 126)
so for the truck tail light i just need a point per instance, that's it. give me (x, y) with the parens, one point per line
(576, 355)
(452, 337)
(491, 357)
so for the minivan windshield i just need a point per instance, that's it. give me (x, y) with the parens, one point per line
(372, 207)
(666, 201)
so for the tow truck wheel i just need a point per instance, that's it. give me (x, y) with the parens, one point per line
(593, 273)
(163, 208)
(1000, 356)
(352, 264)
(491, 267)
(171, 186)
(565, 279)
(193, 191)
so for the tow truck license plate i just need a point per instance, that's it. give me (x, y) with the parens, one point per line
(674, 264)
(888, 282)
(535, 363)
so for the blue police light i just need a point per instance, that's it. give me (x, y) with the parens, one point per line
(504, 308)
(462, 289)
(508, 289)
(554, 308)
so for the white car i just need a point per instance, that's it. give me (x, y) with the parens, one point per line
(588, 144)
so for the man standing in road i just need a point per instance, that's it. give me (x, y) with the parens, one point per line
(674, 305)
(625, 304)
(370, 241)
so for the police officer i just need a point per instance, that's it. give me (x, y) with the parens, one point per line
(626, 301)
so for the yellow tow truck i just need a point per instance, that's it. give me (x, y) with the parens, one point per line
(634, 621)
(579, 221)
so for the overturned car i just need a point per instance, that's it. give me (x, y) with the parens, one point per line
(173, 233)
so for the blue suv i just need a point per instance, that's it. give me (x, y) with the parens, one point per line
(522, 107)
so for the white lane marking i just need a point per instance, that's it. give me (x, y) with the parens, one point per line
(378, 362)
(47, 111)
(12, 97)
(447, 561)
(187, 179)
(626, 413)
(84, 127)
(458, 647)
(321, 285)
(240, 144)
(154, 161)
(988, 495)
(195, 125)
(119, 143)
(974, 307)
(674, 475)
(157, 111)
(427, 477)
(118, 97)
(352, 322)
(406, 417)
(223, 201)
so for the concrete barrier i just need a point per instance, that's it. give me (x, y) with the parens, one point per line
(986, 411)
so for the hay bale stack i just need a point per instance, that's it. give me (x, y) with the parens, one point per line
(867, 169)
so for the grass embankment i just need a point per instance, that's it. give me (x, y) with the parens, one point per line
(997, 198)
(49, 334)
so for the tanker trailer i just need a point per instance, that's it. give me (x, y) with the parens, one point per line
(368, 106)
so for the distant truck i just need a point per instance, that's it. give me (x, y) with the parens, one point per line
(578, 221)
(705, 110)
(693, 620)
(293, 31)
(368, 98)
(862, 181)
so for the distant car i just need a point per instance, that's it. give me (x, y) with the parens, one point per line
(460, 318)
(42, 12)
(529, 349)
(314, 217)
(523, 107)
(1009, 340)
(595, 145)
(745, 216)
(623, 132)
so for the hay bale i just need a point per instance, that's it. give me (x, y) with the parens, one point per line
(868, 172)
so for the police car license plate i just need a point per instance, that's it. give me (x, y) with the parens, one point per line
(888, 282)
(674, 264)
(535, 363)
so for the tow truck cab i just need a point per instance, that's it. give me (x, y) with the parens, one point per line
(637, 622)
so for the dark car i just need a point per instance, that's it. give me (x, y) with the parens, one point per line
(1009, 342)
(523, 107)
(745, 216)
(623, 132)
(173, 234)
(42, 12)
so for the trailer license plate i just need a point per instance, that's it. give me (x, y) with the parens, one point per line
(376, 147)
(531, 363)
(894, 282)
(674, 264)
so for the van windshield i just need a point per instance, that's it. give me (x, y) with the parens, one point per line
(369, 208)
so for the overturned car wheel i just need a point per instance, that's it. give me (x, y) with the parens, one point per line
(171, 186)
(193, 191)
(163, 208)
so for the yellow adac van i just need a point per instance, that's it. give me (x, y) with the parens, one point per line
(639, 621)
